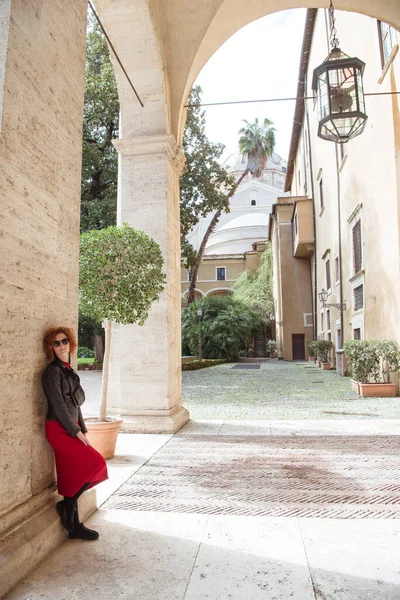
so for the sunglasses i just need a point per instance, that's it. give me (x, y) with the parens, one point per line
(65, 341)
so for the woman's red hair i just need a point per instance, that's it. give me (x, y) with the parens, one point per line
(49, 336)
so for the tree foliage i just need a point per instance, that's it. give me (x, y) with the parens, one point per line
(226, 327)
(255, 288)
(204, 181)
(257, 142)
(120, 274)
(100, 127)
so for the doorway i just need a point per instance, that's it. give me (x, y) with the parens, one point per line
(298, 347)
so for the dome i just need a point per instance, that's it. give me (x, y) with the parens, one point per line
(247, 220)
(237, 162)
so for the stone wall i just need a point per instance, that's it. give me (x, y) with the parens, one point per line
(40, 165)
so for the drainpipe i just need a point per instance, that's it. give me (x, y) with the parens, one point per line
(313, 288)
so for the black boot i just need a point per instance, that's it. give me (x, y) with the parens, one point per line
(80, 532)
(66, 515)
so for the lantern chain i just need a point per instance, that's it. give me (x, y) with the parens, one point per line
(334, 39)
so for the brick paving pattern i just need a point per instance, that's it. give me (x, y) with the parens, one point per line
(307, 476)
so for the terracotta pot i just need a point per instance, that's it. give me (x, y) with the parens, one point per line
(311, 359)
(381, 390)
(354, 386)
(325, 366)
(103, 435)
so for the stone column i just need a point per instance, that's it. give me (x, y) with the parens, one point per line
(145, 377)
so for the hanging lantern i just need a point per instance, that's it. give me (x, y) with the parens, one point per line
(338, 86)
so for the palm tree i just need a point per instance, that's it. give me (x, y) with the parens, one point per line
(257, 142)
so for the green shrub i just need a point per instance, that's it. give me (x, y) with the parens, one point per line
(227, 327)
(372, 359)
(202, 364)
(85, 352)
(270, 346)
(313, 348)
(323, 347)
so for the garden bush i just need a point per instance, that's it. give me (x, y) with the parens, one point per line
(323, 347)
(202, 364)
(372, 359)
(85, 352)
(227, 327)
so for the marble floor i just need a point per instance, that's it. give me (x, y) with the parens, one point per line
(215, 551)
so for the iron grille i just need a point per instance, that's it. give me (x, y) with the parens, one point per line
(357, 247)
(358, 297)
(328, 274)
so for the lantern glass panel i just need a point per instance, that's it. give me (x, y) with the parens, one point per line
(342, 90)
(323, 101)
(360, 90)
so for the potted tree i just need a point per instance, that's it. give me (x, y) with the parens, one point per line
(120, 277)
(312, 350)
(323, 348)
(371, 363)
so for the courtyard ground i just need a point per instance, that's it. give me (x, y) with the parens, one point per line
(275, 390)
(277, 496)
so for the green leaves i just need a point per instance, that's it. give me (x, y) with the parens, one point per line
(258, 143)
(255, 290)
(226, 326)
(204, 181)
(372, 359)
(100, 127)
(120, 274)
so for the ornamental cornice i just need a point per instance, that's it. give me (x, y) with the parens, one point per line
(150, 145)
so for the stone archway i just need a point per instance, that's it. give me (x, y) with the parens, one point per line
(164, 45)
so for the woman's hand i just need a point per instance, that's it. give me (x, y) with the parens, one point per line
(82, 437)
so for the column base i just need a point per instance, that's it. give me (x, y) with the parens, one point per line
(148, 422)
(35, 531)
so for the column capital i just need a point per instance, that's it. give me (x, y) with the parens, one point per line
(155, 144)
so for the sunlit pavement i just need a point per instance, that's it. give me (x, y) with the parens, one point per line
(255, 510)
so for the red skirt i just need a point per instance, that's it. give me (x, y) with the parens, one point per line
(76, 464)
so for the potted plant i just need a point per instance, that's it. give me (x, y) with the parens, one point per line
(120, 277)
(271, 348)
(371, 363)
(312, 350)
(323, 347)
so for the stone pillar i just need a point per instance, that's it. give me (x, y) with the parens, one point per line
(42, 67)
(145, 377)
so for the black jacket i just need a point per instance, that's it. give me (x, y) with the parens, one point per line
(64, 396)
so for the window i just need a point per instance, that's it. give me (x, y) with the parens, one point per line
(357, 334)
(189, 275)
(328, 274)
(357, 247)
(337, 269)
(328, 319)
(322, 321)
(299, 178)
(221, 274)
(283, 169)
(329, 337)
(296, 226)
(321, 194)
(253, 203)
(358, 294)
(387, 40)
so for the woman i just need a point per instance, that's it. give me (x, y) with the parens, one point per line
(79, 466)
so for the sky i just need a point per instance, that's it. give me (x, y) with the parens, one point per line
(259, 61)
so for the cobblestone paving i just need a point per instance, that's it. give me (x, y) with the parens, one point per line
(278, 390)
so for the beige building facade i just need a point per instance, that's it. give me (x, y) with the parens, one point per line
(163, 46)
(218, 272)
(351, 231)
